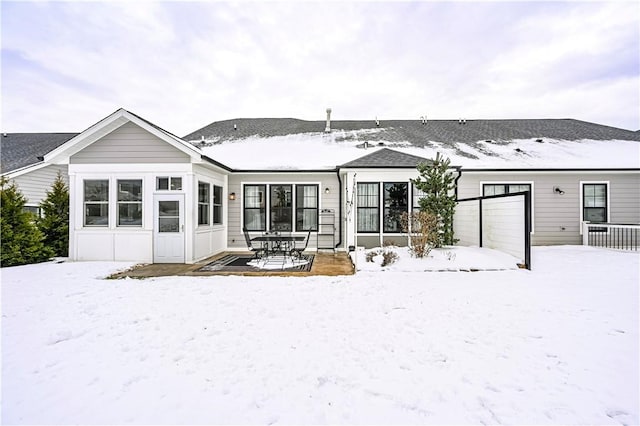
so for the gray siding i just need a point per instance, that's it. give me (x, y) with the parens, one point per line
(34, 185)
(556, 218)
(327, 201)
(129, 144)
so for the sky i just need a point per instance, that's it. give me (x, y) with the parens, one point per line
(183, 65)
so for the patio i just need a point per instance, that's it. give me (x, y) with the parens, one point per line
(329, 264)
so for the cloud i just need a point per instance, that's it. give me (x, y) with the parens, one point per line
(185, 64)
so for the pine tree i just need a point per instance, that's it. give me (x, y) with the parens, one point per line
(437, 182)
(22, 241)
(54, 223)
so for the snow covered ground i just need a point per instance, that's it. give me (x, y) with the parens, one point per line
(556, 345)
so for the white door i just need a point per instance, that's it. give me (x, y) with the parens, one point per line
(168, 232)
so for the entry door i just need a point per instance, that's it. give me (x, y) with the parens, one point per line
(168, 233)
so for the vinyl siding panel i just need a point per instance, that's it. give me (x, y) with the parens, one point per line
(34, 185)
(556, 218)
(129, 144)
(236, 181)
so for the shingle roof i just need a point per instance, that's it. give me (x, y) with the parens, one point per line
(23, 149)
(386, 158)
(414, 132)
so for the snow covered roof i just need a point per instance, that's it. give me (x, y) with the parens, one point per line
(289, 144)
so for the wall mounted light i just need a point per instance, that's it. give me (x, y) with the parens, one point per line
(558, 190)
(326, 190)
(232, 196)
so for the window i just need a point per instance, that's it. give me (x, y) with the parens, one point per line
(203, 203)
(306, 207)
(594, 202)
(502, 188)
(96, 202)
(217, 204)
(35, 210)
(255, 207)
(417, 195)
(281, 208)
(169, 184)
(368, 204)
(395, 203)
(130, 202)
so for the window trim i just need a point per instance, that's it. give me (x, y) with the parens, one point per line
(516, 182)
(106, 202)
(299, 208)
(118, 202)
(608, 198)
(377, 207)
(217, 205)
(204, 220)
(384, 193)
(244, 208)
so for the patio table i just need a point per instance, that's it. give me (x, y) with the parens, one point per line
(274, 241)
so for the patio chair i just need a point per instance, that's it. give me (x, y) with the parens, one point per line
(253, 247)
(296, 250)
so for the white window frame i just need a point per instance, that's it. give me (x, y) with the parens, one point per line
(594, 182)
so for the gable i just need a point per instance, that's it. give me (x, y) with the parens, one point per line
(129, 143)
(386, 158)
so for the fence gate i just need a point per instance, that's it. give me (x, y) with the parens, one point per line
(500, 222)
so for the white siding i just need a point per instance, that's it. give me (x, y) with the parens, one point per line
(466, 223)
(129, 144)
(503, 225)
(34, 185)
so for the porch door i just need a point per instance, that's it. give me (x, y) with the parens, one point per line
(168, 233)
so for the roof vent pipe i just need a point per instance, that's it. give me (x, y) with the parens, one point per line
(377, 122)
(328, 126)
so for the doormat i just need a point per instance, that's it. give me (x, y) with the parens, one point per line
(239, 263)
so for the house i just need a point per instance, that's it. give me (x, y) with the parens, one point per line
(140, 193)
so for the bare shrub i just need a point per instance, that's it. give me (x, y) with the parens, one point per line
(422, 228)
(388, 257)
(369, 256)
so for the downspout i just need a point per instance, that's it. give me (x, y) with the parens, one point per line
(339, 208)
(455, 182)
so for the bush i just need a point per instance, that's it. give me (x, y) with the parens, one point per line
(54, 223)
(22, 241)
(388, 256)
(422, 228)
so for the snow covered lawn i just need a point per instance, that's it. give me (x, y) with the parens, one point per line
(556, 345)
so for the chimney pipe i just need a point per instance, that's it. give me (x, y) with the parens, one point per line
(328, 127)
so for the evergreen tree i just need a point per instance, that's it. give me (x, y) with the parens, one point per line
(54, 223)
(437, 182)
(22, 241)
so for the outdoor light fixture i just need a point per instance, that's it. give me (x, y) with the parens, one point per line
(232, 196)
(558, 190)
(326, 190)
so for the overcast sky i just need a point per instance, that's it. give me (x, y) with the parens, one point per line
(66, 65)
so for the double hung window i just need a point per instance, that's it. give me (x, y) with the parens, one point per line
(368, 215)
(96, 202)
(594, 202)
(306, 207)
(281, 207)
(255, 217)
(130, 202)
(395, 203)
(217, 204)
(287, 210)
(204, 201)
